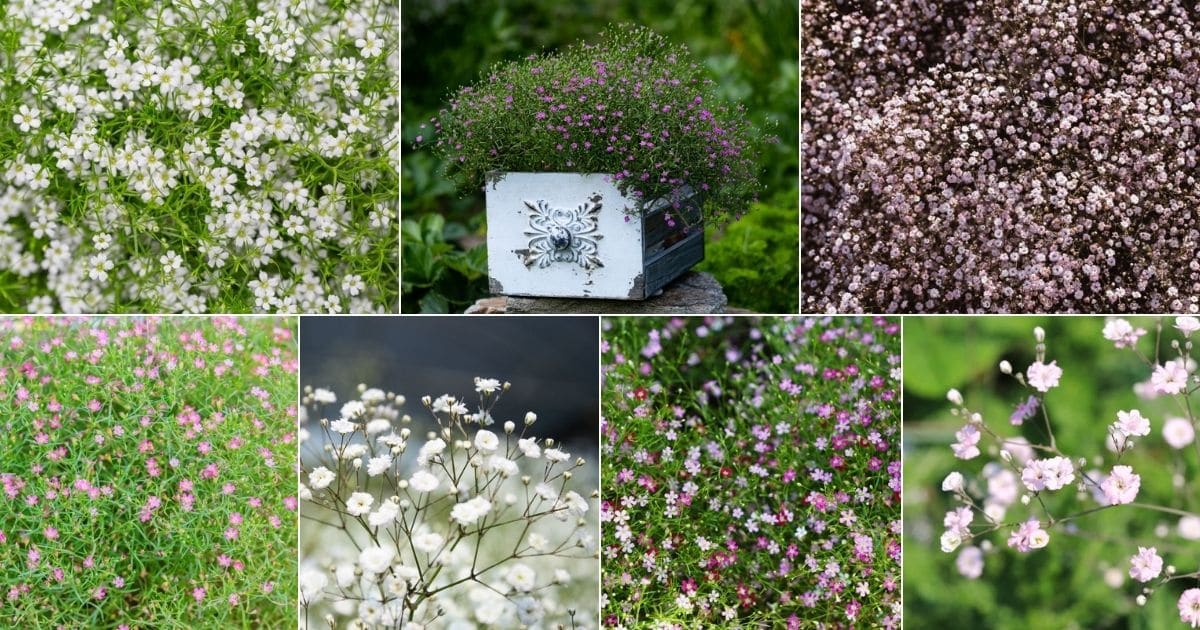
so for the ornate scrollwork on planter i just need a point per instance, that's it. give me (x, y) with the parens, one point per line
(564, 235)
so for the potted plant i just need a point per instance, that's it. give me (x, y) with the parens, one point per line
(601, 164)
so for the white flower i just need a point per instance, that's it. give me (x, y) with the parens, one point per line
(955, 397)
(321, 477)
(1187, 325)
(576, 505)
(529, 611)
(521, 577)
(343, 426)
(486, 441)
(27, 118)
(953, 482)
(529, 447)
(353, 409)
(950, 541)
(470, 511)
(345, 575)
(423, 481)
(1178, 432)
(487, 385)
(378, 465)
(428, 542)
(312, 585)
(385, 515)
(503, 465)
(376, 559)
(1122, 333)
(556, 455)
(378, 425)
(359, 503)
(324, 396)
(429, 450)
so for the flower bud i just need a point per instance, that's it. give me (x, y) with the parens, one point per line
(955, 397)
(953, 482)
(530, 418)
(1006, 367)
(509, 427)
(1039, 334)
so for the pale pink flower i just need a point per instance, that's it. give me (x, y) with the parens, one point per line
(1131, 423)
(959, 520)
(1029, 535)
(1145, 565)
(967, 445)
(1121, 486)
(1189, 607)
(1122, 333)
(1178, 432)
(1044, 376)
(1170, 378)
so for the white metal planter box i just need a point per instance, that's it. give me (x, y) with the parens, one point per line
(575, 235)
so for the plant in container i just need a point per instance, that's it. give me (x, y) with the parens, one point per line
(602, 164)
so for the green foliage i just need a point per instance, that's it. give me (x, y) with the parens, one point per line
(1064, 584)
(440, 277)
(755, 259)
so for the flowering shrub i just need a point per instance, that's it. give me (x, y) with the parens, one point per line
(631, 106)
(147, 473)
(475, 527)
(751, 473)
(195, 156)
(1025, 156)
(1037, 487)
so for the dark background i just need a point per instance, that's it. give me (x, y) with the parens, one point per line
(552, 363)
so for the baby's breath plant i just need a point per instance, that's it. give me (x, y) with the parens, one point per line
(632, 106)
(471, 523)
(1040, 490)
(198, 155)
(147, 475)
(751, 472)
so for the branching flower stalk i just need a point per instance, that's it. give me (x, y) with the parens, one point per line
(1045, 468)
(484, 527)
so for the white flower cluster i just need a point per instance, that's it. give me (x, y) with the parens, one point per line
(480, 530)
(206, 155)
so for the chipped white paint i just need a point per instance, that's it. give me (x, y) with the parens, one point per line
(546, 237)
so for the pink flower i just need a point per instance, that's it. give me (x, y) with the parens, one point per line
(198, 593)
(1131, 423)
(1169, 378)
(1121, 486)
(1048, 474)
(51, 533)
(967, 445)
(1122, 333)
(1044, 377)
(209, 472)
(1189, 607)
(1029, 535)
(959, 521)
(1145, 565)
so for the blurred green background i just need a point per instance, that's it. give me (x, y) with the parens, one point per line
(751, 48)
(1063, 585)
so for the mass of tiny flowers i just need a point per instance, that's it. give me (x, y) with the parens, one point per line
(148, 472)
(631, 105)
(1031, 491)
(1023, 156)
(206, 156)
(751, 473)
(470, 522)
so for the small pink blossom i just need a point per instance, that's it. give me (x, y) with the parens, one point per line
(1145, 565)
(1044, 376)
(1121, 486)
